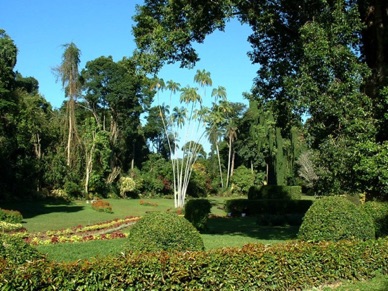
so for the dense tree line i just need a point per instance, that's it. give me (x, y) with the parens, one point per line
(322, 70)
(317, 114)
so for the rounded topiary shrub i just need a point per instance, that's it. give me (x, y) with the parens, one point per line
(335, 218)
(162, 231)
(378, 211)
(16, 251)
(197, 212)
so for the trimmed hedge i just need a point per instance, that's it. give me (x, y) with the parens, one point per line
(11, 216)
(275, 192)
(163, 231)
(197, 212)
(16, 251)
(335, 218)
(266, 206)
(379, 214)
(290, 266)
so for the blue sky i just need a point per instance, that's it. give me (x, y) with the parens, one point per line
(102, 28)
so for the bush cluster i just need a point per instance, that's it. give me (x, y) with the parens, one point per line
(15, 251)
(163, 231)
(336, 218)
(275, 192)
(11, 216)
(378, 211)
(290, 266)
(197, 212)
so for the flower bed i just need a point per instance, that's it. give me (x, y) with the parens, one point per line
(104, 230)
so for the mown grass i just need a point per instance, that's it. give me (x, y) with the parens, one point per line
(39, 216)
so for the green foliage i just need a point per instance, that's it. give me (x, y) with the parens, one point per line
(156, 176)
(127, 186)
(11, 216)
(372, 169)
(242, 180)
(275, 192)
(160, 231)
(336, 218)
(263, 206)
(289, 266)
(15, 251)
(197, 212)
(72, 189)
(379, 213)
(199, 180)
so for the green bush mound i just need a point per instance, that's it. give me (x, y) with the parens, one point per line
(15, 251)
(11, 216)
(336, 218)
(379, 213)
(275, 192)
(197, 212)
(162, 231)
(290, 266)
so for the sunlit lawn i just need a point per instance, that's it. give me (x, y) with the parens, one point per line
(42, 216)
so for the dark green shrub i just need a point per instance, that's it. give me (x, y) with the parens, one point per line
(275, 192)
(11, 216)
(335, 218)
(197, 212)
(262, 206)
(378, 211)
(15, 251)
(161, 231)
(267, 219)
(72, 189)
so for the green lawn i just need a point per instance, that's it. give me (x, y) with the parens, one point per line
(41, 216)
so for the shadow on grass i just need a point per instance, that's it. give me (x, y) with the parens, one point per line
(247, 226)
(31, 209)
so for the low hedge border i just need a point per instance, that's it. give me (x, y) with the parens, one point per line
(275, 192)
(267, 206)
(289, 266)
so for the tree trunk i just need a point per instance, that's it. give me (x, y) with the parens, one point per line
(229, 161)
(219, 165)
(233, 159)
(69, 136)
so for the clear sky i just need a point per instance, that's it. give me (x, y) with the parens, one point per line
(104, 28)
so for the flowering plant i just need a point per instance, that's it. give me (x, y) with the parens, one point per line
(104, 230)
(102, 206)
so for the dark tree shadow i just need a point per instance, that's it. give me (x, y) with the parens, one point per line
(31, 209)
(247, 226)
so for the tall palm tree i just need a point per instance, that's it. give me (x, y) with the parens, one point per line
(219, 93)
(173, 87)
(68, 72)
(178, 116)
(202, 77)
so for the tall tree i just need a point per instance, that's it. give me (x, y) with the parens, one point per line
(374, 43)
(69, 75)
(117, 95)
